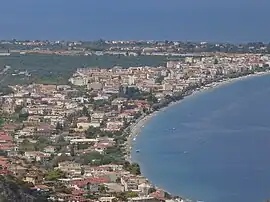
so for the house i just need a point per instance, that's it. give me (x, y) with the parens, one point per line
(36, 156)
(10, 127)
(90, 184)
(6, 143)
(67, 166)
(5, 138)
(30, 178)
(83, 126)
(3, 163)
(130, 183)
(107, 199)
(33, 177)
(114, 126)
(97, 117)
(119, 100)
(60, 197)
(144, 188)
(44, 129)
(159, 194)
(50, 149)
(82, 119)
(96, 86)
(17, 170)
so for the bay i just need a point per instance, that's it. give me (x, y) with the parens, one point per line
(219, 150)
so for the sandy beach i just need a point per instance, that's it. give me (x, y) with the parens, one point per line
(136, 127)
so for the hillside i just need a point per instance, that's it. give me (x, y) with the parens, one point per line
(11, 190)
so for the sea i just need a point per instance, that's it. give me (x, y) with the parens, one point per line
(185, 20)
(214, 146)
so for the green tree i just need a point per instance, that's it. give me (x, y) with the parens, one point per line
(82, 146)
(118, 180)
(133, 168)
(59, 126)
(102, 189)
(42, 142)
(152, 99)
(151, 190)
(85, 111)
(55, 175)
(26, 145)
(72, 150)
(131, 194)
(121, 196)
(94, 158)
(159, 80)
(92, 132)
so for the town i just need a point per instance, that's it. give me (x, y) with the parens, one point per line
(72, 142)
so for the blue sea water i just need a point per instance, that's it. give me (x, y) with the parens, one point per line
(193, 20)
(219, 150)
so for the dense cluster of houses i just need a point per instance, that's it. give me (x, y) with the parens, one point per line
(44, 123)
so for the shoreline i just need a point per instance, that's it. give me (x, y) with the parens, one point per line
(135, 128)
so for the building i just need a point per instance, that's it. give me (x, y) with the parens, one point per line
(143, 199)
(107, 199)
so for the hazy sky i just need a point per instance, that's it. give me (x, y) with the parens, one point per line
(211, 20)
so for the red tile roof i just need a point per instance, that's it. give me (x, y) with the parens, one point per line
(5, 137)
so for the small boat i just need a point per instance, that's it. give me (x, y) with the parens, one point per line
(173, 128)
(134, 139)
(137, 151)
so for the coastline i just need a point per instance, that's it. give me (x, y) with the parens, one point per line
(135, 128)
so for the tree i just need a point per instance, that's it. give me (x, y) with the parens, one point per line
(92, 132)
(125, 122)
(82, 170)
(72, 150)
(85, 111)
(133, 168)
(121, 196)
(131, 194)
(82, 146)
(159, 79)
(26, 145)
(18, 109)
(94, 158)
(61, 141)
(151, 190)
(41, 143)
(102, 188)
(23, 117)
(61, 188)
(152, 99)
(59, 126)
(55, 175)
(118, 180)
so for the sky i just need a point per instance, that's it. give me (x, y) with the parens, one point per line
(193, 20)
